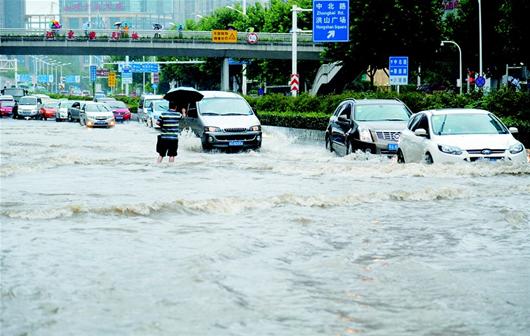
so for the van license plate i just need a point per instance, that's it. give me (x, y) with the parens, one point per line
(393, 147)
(235, 143)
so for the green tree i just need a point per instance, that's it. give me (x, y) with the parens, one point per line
(276, 19)
(379, 29)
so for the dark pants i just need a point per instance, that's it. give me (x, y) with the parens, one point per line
(167, 147)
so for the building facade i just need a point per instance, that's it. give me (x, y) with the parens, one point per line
(12, 13)
(139, 14)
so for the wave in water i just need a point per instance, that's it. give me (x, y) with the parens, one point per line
(236, 205)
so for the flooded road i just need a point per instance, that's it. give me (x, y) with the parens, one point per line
(96, 239)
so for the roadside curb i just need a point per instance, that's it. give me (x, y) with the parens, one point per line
(297, 133)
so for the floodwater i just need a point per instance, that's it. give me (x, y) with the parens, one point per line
(97, 239)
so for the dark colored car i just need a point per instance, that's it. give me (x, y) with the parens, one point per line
(370, 125)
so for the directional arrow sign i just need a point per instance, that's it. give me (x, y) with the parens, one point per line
(331, 20)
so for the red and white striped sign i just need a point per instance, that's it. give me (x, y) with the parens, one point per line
(295, 82)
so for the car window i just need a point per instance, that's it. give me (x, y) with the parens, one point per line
(28, 101)
(96, 108)
(338, 109)
(53, 105)
(381, 112)
(224, 106)
(160, 105)
(423, 122)
(467, 123)
(6, 103)
(413, 121)
(346, 111)
(115, 104)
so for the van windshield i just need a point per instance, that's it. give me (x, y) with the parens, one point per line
(224, 106)
(28, 101)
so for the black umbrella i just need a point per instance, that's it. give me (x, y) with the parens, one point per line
(117, 23)
(157, 26)
(183, 95)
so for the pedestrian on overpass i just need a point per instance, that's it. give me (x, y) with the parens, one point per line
(168, 140)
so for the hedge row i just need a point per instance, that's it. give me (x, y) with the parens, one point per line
(306, 111)
(503, 103)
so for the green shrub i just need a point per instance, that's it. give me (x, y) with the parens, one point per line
(317, 121)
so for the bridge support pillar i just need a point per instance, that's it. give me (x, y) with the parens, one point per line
(225, 74)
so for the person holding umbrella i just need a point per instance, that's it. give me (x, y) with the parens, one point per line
(169, 121)
(168, 141)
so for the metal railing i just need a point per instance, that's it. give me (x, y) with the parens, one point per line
(152, 36)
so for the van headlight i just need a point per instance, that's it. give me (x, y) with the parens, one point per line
(517, 148)
(364, 135)
(256, 128)
(212, 129)
(450, 149)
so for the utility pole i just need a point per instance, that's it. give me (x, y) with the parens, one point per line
(294, 40)
(480, 36)
(244, 70)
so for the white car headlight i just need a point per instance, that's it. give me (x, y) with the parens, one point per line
(364, 135)
(450, 149)
(256, 128)
(517, 148)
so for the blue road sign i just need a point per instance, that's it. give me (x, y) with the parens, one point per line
(399, 70)
(93, 73)
(42, 78)
(331, 20)
(154, 86)
(69, 79)
(480, 81)
(151, 67)
(136, 67)
(24, 78)
(143, 67)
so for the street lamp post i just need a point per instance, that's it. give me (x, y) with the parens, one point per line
(480, 36)
(294, 40)
(244, 66)
(460, 60)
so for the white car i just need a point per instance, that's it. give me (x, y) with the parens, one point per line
(96, 115)
(154, 110)
(62, 110)
(458, 135)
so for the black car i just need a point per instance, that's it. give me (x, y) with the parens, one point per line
(370, 125)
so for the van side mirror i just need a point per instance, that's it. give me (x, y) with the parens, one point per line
(420, 132)
(513, 130)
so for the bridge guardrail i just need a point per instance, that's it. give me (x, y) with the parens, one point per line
(152, 36)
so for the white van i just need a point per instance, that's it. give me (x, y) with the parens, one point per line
(28, 107)
(143, 117)
(223, 120)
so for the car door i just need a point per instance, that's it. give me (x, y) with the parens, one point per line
(192, 120)
(418, 144)
(340, 126)
(74, 110)
(82, 114)
(407, 136)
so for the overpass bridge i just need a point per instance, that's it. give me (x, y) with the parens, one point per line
(167, 43)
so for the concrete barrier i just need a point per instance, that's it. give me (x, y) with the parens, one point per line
(299, 134)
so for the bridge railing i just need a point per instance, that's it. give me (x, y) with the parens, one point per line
(161, 36)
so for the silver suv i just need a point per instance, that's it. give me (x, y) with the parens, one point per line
(370, 125)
